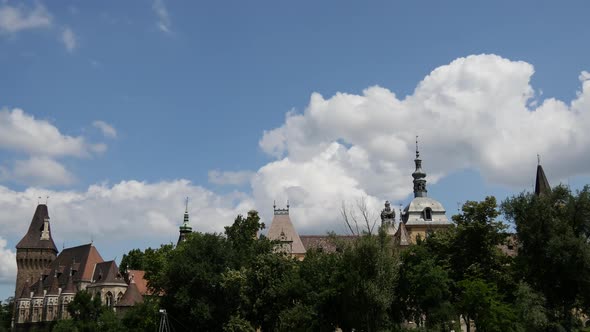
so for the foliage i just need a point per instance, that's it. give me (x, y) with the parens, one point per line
(554, 253)
(6, 312)
(142, 317)
(88, 315)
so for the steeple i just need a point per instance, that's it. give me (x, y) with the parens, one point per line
(419, 176)
(541, 184)
(39, 234)
(185, 228)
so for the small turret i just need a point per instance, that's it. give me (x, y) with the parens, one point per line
(185, 228)
(419, 176)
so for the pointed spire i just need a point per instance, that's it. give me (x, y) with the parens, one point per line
(39, 234)
(185, 228)
(54, 288)
(419, 176)
(39, 290)
(26, 293)
(69, 289)
(541, 184)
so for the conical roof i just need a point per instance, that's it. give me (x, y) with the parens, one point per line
(32, 240)
(402, 237)
(39, 289)
(131, 297)
(69, 288)
(281, 229)
(541, 184)
(54, 288)
(26, 293)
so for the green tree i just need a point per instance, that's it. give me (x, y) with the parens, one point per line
(480, 302)
(530, 308)
(554, 253)
(368, 274)
(142, 317)
(6, 313)
(424, 290)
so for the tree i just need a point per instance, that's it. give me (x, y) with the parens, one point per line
(480, 301)
(142, 317)
(424, 290)
(6, 313)
(554, 253)
(368, 274)
(359, 219)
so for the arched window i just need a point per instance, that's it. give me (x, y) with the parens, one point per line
(427, 213)
(109, 299)
(119, 296)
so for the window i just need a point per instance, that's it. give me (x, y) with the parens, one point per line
(427, 213)
(109, 299)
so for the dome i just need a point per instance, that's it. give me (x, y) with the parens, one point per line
(425, 211)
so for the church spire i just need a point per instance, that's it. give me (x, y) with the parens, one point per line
(541, 184)
(185, 228)
(419, 176)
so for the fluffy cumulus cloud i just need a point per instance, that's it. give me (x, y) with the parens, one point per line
(129, 210)
(475, 112)
(7, 264)
(43, 142)
(14, 19)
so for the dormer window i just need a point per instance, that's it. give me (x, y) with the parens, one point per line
(427, 214)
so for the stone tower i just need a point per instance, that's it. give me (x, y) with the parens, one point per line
(35, 251)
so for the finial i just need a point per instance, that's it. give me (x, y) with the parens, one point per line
(538, 159)
(186, 205)
(417, 152)
(38, 200)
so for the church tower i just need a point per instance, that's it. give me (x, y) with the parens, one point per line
(424, 214)
(185, 228)
(35, 251)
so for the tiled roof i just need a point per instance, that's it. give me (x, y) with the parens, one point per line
(26, 293)
(107, 272)
(401, 237)
(131, 296)
(54, 288)
(80, 259)
(140, 281)
(326, 243)
(281, 226)
(32, 240)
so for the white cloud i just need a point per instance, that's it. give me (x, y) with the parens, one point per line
(106, 129)
(15, 19)
(7, 264)
(162, 13)
(22, 132)
(43, 143)
(40, 171)
(68, 38)
(127, 210)
(472, 113)
(230, 178)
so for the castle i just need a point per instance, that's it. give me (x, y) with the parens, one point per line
(422, 216)
(47, 282)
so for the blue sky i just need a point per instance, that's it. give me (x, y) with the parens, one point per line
(187, 88)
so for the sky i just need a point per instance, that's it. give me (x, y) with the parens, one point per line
(113, 112)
